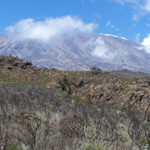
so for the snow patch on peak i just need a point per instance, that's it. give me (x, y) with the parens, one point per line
(113, 36)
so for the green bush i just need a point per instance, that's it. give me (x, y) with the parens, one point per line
(125, 139)
(94, 147)
(12, 147)
(115, 117)
(142, 141)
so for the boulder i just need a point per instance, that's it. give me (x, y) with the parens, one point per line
(23, 64)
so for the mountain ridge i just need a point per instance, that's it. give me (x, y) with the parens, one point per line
(79, 52)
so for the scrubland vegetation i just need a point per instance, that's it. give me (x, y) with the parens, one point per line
(33, 117)
(49, 109)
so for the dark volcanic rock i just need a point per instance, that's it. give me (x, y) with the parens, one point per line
(14, 61)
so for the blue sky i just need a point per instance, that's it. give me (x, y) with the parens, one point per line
(125, 18)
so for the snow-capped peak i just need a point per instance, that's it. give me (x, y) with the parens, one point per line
(113, 36)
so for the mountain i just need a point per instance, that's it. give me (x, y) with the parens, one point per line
(79, 52)
(127, 73)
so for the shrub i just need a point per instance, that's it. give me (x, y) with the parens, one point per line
(95, 70)
(12, 147)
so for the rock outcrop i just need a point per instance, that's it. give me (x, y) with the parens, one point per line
(14, 61)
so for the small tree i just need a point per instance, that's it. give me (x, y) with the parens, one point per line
(65, 85)
(95, 70)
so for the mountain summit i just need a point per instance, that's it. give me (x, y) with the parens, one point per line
(79, 51)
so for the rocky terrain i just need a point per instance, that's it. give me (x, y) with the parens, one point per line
(51, 109)
(83, 85)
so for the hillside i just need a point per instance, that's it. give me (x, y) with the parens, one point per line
(127, 73)
(97, 87)
(53, 109)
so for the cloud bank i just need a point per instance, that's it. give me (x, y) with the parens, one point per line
(146, 43)
(147, 6)
(140, 7)
(99, 48)
(48, 29)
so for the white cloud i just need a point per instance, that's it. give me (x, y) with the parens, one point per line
(108, 23)
(112, 26)
(137, 37)
(101, 50)
(147, 24)
(146, 43)
(140, 7)
(135, 17)
(126, 1)
(49, 28)
(98, 16)
(147, 6)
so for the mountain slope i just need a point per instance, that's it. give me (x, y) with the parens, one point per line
(75, 106)
(79, 52)
(85, 86)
